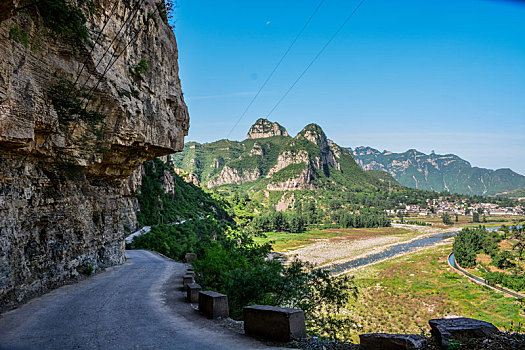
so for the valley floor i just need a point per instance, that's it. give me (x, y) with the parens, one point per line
(402, 294)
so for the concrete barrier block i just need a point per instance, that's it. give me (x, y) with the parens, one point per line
(383, 341)
(192, 292)
(189, 257)
(274, 323)
(187, 279)
(460, 329)
(213, 304)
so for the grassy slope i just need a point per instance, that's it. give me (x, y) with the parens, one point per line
(187, 201)
(401, 295)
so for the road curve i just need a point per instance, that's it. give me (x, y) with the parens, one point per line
(137, 305)
(481, 281)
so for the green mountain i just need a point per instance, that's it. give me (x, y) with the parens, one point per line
(436, 172)
(270, 159)
(277, 169)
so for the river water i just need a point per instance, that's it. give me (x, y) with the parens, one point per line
(390, 252)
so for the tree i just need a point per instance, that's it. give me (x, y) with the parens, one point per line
(503, 260)
(467, 244)
(505, 230)
(446, 219)
(520, 242)
(401, 216)
(490, 244)
(475, 217)
(320, 295)
(296, 223)
(299, 207)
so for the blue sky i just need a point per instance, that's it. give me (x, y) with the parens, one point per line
(445, 75)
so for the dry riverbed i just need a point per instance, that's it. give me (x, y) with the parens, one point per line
(347, 247)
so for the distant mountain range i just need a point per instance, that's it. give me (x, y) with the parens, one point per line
(436, 172)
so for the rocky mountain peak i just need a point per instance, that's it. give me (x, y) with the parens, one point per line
(313, 133)
(264, 128)
(364, 150)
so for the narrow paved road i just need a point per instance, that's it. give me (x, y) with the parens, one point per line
(138, 305)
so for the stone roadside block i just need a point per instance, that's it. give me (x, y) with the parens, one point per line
(192, 292)
(274, 323)
(213, 304)
(187, 279)
(189, 257)
(383, 341)
(460, 329)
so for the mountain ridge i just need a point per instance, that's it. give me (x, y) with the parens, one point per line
(437, 172)
(275, 162)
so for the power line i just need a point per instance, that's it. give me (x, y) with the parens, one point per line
(108, 67)
(316, 57)
(133, 14)
(112, 12)
(276, 66)
(35, 3)
(105, 52)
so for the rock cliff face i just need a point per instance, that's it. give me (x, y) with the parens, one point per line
(316, 135)
(70, 153)
(230, 175)
(264, 128)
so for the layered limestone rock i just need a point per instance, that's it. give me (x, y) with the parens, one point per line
(287, 158)
(302, 181)
(264, 128)
(230, 175)
(316, 135)
(69, 152)
(7, 7)
(186, 176)
(256, 150)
